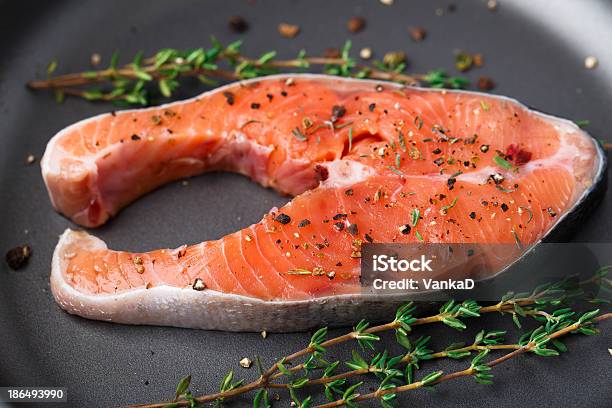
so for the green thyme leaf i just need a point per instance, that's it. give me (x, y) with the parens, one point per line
(545, 352)
(114, 61)
(519, 310)
(143, 75)
(395, 170)
(299, 383)
(93, 94)
(164, 88)
(260, 397)
(501, 162)
(267, 57)
(456, 345)
(559, 345)
(282, 368)
(350, 391)
(299, 135)
(454, 323)
(402, 142)
(357, 362)
(588, 316)
(182, 386)
(319, 336)
(51, 67)
(445, 208)
(582, 122)
(430, 378)
(415, 216)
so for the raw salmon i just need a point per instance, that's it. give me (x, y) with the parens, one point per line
(360, 157)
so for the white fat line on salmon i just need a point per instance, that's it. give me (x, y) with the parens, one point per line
(563, 157)
(346, 173)
(396, 192)
(343, 173)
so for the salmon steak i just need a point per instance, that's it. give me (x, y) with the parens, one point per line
(365, 162)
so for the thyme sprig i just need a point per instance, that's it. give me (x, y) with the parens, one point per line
(479, 369)
(545, 304)
(129, 84)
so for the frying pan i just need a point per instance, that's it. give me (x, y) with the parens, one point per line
(533, 49)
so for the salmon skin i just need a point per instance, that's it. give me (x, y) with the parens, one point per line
(366, 161)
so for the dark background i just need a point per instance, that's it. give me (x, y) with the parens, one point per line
(534, 50)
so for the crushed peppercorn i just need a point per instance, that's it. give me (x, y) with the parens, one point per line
(283, 218)
(288, 30)
(418, 33)
(485, 83)
(497, 178)
(229, 97)
(198, 284)
(338, 111)
(238, 24)
(356, 24)
(18, 257)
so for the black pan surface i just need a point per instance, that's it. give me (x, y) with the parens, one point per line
(535, 50)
